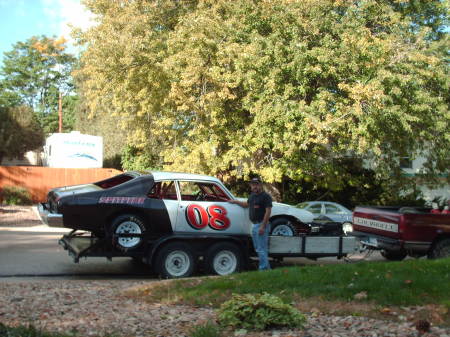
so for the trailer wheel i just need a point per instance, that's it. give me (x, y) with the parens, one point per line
(282, 227)
(223, 258)
(393, 255)
(440, 250)
(127, 224)
(175, 260)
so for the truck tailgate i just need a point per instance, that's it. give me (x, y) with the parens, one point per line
(377, 221)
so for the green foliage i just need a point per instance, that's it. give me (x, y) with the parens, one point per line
(13, 195)
(19, 131)
(407, 283)
(259, 312)
(33, 73)
(26, 331)
(206, 330)
(234, 88)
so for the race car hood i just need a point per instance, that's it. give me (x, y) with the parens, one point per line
(279, 208)
(285, 209)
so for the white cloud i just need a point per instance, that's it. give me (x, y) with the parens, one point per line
(73, 13)
(66, 13)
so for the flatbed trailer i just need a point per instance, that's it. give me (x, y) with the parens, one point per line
(221, 254)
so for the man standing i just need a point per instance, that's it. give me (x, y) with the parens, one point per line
(260, 207)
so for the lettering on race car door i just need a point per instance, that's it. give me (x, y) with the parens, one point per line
(214, 216)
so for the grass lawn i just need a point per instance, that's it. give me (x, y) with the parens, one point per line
(383, 287)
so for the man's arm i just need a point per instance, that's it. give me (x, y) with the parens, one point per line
(265, 221)
(238, 202)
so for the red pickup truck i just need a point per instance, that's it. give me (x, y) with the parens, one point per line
(399, 232)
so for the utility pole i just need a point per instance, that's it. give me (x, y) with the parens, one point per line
(60, 111)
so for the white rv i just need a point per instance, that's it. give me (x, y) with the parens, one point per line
(73, 150)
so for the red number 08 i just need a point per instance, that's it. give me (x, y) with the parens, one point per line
(214, 216)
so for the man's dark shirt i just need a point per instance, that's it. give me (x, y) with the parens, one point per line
(257, 204)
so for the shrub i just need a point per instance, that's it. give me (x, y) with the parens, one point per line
(12, 195)
(206, 330)
(259, 312)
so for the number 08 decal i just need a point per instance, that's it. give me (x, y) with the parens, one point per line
(214, 216)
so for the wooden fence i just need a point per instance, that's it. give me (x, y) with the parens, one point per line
(39, 180)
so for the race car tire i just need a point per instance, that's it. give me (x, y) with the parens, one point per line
(223, 258)
(282, 227)
(393, 255)
(127, 224)
(440, 250)
(175, 260)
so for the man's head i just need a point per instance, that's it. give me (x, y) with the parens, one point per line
(256, 185)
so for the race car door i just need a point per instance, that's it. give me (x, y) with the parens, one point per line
(204, 207)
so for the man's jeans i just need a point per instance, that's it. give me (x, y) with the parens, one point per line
(260, 242)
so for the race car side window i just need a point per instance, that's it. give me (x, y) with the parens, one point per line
(201, 191)
(163, 190)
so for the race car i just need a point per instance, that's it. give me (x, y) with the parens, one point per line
(156, 204)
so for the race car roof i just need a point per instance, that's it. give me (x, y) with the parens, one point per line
(159, 175)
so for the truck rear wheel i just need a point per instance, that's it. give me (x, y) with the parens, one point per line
(223, 258)
(392, 255)
(127, 224)
(440, 250)
(175, 260)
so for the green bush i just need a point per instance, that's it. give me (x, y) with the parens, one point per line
(206, 330)
(259, 312)
(12, 195)
(26, 331)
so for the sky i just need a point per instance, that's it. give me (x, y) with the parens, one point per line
(22, 19)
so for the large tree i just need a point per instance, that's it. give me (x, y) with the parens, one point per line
(34, 73)
(281, 89)
(19, 131)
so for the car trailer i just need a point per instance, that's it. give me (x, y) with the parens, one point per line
(176, 255)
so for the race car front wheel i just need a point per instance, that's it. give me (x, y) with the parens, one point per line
(122, 229)
(175, 260)
(282, 227)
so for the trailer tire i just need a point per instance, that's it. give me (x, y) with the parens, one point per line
(223, 258)
(392, 255)
(127, 224)
(440, 250)
(175, 260)
(282, 227)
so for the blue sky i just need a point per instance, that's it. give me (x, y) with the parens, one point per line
(22, 19)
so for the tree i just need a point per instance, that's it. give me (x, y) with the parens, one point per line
(34, 73)
(19, 131)
(278, 89)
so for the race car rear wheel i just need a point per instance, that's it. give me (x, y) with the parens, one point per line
(127, 224)
(282, 227)
(175, 260)
(223, 258)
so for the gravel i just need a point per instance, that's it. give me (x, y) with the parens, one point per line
(97, 307)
